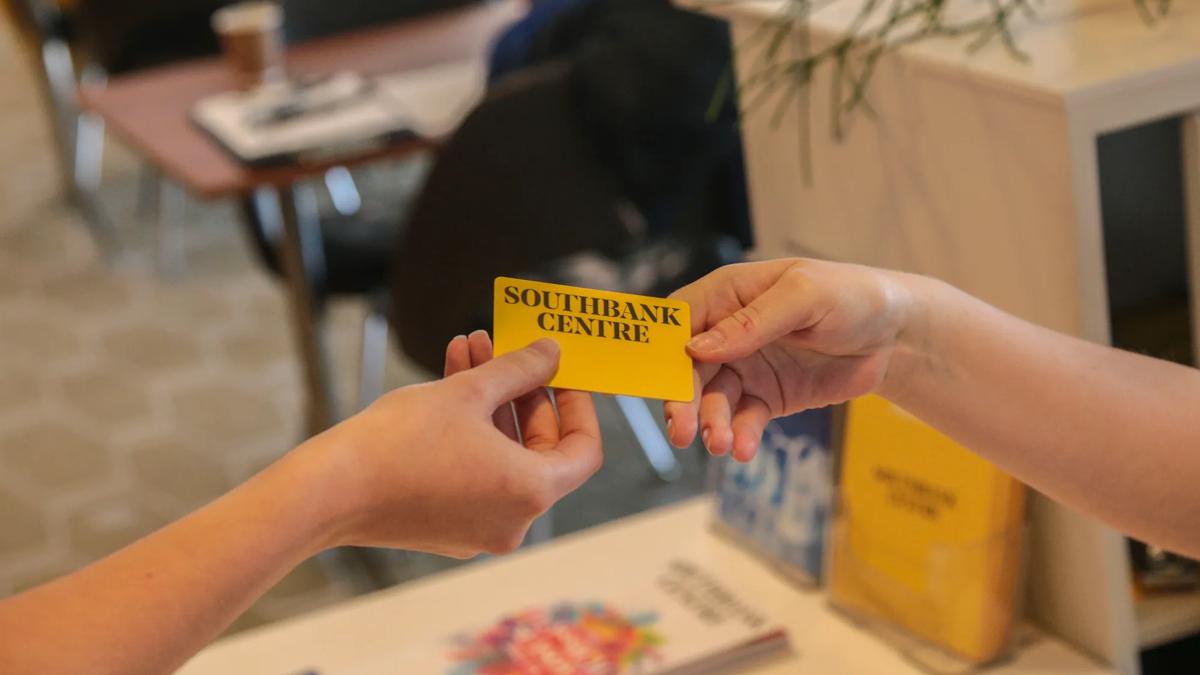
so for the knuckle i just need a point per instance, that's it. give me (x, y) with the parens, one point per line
(795, 276)
(748, 318)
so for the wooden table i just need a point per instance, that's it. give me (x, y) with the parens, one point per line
(982, 170)
(148, 111)
(372, 634)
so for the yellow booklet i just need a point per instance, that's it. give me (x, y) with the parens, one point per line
(928, 536)
(612, 343)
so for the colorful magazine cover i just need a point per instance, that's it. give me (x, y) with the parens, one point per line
(779, 503)
(585, 637)
(680, 620)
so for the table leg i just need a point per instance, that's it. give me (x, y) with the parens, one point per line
(79, 138)
(302, 257)
(168, 229)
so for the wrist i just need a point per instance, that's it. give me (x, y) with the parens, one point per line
(913, 354)
(318, 485)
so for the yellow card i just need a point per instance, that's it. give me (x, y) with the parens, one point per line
(612, 343)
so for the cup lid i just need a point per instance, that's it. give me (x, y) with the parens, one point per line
(257, 15)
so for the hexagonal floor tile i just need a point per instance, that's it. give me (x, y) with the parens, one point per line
(52, 455)
(93, 290)
(171, 467)
(108, 524)
(224, 412)
(106, 394)
(36, 335)
(20, 389)
(196, 305)
(23, 526)
(11, 281)
(257, 349)
(150, 347)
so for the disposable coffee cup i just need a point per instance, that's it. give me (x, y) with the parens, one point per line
(251, 35)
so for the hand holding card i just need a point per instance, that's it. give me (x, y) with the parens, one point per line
(612, 343)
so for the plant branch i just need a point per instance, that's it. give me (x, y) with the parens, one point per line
(878, 28)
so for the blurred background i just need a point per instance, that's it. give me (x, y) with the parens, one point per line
(148, 350)
(225, 226)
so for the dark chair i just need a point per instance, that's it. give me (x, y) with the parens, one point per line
(520, 189)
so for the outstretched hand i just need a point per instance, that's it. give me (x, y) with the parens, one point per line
(447, 467)
(778, 337)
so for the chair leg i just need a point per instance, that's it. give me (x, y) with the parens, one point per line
(374, 358)
(89, 152)
(303, 263)
(58, 73)
(342, 191)
(653, 444)
(79, 138)
(149, 180)
(170, 259)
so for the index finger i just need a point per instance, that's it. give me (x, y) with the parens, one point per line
(458, 357)
(726, 289)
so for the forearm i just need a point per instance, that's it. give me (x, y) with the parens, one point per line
(422, 468)
(150, 606)
(1111, 433)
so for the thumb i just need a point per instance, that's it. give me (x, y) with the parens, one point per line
(767, 318)
(506, 378)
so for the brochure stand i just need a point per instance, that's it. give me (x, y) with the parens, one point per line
(778, 505)
(953, 608)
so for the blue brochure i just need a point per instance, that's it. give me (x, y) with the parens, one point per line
(778, 504)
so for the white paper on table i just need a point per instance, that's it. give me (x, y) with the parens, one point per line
(429, 102)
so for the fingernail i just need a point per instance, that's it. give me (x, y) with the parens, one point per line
(706, 342)
(545, 346)
(744, 452)
(458, 337)
(671, 432)
(477, 332)
(704, 437)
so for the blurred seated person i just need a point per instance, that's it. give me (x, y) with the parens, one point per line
(646, 79)
(594, 161)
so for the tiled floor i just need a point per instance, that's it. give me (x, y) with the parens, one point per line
(127, 400)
